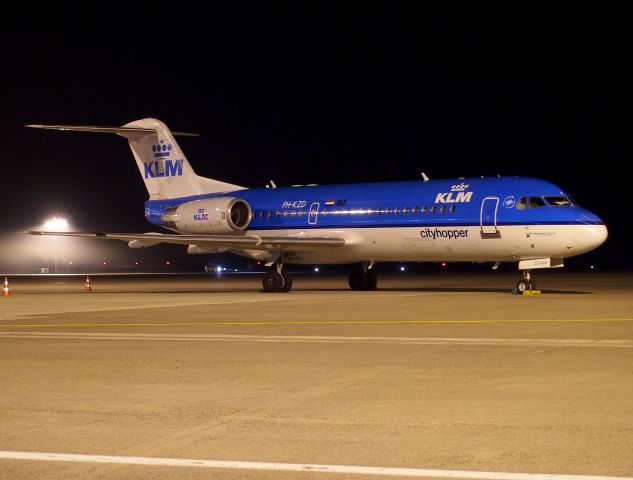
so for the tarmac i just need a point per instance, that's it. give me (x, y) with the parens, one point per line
(442, 375)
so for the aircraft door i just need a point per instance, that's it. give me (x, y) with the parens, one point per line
(488, 217)
(313, 214)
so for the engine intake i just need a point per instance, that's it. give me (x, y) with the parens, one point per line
(211, 215)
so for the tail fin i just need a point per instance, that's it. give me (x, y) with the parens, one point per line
(164, 168)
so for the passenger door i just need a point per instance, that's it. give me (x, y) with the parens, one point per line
(313, 214)
(488, 217)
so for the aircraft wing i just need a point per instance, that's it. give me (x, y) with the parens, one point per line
(251, 242)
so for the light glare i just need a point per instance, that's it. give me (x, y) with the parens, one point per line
(56, 224)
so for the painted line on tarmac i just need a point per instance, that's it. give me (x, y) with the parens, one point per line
(184, 337)
(308, 322)
(296, 467)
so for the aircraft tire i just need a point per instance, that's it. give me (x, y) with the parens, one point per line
(287, 279)
(523, 285)
(373, 278)
(272, 281)
(359, 280)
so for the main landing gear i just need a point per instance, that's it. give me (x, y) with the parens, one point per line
(363, 277)
(526, 284)
(277, 279)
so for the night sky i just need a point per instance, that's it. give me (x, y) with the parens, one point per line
(317, 93)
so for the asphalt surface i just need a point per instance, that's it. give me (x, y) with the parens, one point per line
(449, 372)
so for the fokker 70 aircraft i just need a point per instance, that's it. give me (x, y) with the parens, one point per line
(506, 219)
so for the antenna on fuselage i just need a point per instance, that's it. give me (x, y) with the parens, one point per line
(272, 185)
(424, 177)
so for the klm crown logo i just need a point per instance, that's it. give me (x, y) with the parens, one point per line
(163, 166)
(162, 150)
(459, 188)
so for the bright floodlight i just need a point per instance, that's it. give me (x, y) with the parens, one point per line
(56, 224)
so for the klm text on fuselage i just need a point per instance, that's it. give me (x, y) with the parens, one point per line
(171, 168)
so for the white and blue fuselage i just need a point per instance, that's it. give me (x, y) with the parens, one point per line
(469, 219)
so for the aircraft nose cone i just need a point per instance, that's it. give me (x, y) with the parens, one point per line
(594, 231)
(596, 236)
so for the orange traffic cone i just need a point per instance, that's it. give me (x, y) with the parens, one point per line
(6, 291)
(87, 286)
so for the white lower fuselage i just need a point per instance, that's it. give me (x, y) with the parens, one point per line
(454, 243)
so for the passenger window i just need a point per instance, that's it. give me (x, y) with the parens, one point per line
(301, 213)
(388, 210)
(536, 202)
(397, 210)
(405, 210)
(277, 214)
(415, 209)
(433, 209)
(270, 213)
(425, 209)
(261, 214)
(452, 209)
(379, 211)
(443, 209)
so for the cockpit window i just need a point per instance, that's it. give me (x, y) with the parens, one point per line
(536, 202)
(573, 202)
(558, 201)
(522, 203)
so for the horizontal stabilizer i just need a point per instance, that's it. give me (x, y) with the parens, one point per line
(162, 164)
(127, 132)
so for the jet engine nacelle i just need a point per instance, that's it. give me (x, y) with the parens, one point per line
(211, 215)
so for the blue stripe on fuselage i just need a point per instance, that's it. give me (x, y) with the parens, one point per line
(466, 195)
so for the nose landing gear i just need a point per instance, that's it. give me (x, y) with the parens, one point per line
(527, 286)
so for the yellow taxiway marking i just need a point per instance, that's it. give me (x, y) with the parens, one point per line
(308, 322)
(198, 337)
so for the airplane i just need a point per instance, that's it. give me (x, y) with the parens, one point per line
(501, 219)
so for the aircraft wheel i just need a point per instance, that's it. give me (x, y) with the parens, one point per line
(373, 278)
(287, 279)
(359, 280)
(523, 285)
(272, 281)
(355, 279)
